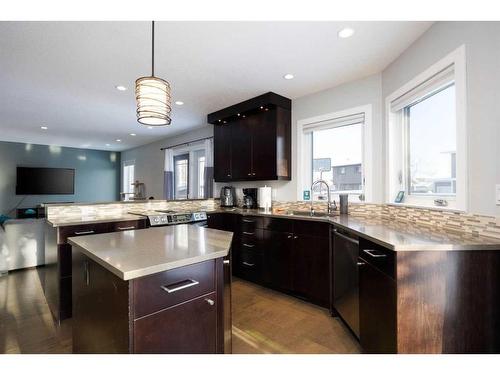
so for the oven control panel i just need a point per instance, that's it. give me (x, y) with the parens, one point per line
(177, 218)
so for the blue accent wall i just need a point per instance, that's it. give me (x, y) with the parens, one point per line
(97, 173)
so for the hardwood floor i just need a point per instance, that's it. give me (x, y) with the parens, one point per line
(264, 321)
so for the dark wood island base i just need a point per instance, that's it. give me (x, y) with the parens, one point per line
(182, 310)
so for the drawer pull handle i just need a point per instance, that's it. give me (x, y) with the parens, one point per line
(249, 264)
(361, 263)
(173, 288)
(210, 301)
(85, 232)
(225, 261)
(126, 228)
(295, 237)
(289, 236)
(375, 253)
(248, 221)
(249, 233)
(248, 245)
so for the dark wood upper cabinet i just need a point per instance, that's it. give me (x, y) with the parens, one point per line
(252, 140)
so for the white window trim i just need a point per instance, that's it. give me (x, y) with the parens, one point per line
(394, 142)
(303, 170)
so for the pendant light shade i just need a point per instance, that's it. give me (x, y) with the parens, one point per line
(153, 101)
(152, 95)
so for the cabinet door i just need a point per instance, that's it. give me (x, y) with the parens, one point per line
(311, 277)
(264, 145)
(277, 263)
(222, 153)
(187, 328)
(377, 310)
(241, 143)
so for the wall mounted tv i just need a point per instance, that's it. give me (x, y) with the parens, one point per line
(45, 181)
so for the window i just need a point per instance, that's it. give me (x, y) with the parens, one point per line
(432, 146)
(426, 136)
(332, 147)
(189, 164)
(181, 176)
(128, 179)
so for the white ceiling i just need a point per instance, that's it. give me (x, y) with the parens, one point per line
(63, 74)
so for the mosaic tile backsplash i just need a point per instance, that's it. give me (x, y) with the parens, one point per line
(457, 222)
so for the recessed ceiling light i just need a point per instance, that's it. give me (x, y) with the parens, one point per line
(121, 88)
(346, 32)
(133, 134)
(43, 127)
(118, 140)
(178, 102)
(288, 76)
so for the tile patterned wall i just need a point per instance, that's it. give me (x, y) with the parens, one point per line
(451, 221)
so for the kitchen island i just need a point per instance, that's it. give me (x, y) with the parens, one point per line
(155, 290)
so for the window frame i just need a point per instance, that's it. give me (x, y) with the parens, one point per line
(304, 151)
(191, 149)
(397, 149)
(127, 191)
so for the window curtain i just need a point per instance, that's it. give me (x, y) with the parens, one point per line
(209, 169)
(168, 175)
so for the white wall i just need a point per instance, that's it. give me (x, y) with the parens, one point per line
(149, 159)
(482, 43)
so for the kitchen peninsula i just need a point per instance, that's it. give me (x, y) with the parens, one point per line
(156, 290)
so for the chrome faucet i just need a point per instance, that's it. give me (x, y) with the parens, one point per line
(330, 208)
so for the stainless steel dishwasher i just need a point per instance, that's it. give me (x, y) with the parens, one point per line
(345, 278)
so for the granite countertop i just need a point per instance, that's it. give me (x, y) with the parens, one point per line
(135, 253)
(91, 219)
(394, 235)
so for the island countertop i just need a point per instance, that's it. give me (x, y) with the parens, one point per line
(136, 253)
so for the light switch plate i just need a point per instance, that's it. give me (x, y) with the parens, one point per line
(497, 195)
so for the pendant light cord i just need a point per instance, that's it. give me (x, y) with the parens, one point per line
(153, 49)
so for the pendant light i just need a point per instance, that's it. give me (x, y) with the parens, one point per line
(152, 95)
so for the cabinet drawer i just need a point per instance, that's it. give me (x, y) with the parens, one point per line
(248, 224)
(190, 327)
(311, 228)
(250, 265)
(277, 225)
(378, 256)
(168, 288)
(80, 230)
(127, 225)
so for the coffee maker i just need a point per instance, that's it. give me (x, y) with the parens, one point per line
(227, 197)
(250, 198)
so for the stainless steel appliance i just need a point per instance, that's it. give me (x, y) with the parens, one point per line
(167, 217)
(250, 197)
(345, 278)
(227, 196)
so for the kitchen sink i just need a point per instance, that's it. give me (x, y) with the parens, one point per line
(315, 214)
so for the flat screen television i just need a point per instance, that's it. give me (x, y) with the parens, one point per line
(45, 181)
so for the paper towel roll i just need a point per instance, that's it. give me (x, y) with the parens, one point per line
(265, 197)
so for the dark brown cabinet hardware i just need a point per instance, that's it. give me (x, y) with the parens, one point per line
(256, 146)
(180, 285)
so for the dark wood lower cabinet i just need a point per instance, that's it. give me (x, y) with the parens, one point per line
(111, 315)
(190, 327)
(377, 310)
(278, 260)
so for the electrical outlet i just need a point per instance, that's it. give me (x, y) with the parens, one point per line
(497, 195)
